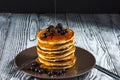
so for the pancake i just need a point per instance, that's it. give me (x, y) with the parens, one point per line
(56, 56)
(55, 64)
(52, 47)
(58, 67)
(55, 51)
(54, 39)
(61, 59)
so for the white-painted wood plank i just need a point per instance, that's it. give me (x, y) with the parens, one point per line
(88, 37)
(33, 24)
(4, 28)
(110, 32)
(15, 42)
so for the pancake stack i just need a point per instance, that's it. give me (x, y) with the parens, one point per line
(56, 48)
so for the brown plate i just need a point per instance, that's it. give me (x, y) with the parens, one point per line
(84, 63)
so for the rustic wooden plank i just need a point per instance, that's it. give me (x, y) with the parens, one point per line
(33, 24)
(16, 42)
(88, 37)
(103, 29)
(116, 31)
(17, 39)
(4, 28)
(111, 37)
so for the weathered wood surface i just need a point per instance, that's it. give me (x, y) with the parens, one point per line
(97, 33)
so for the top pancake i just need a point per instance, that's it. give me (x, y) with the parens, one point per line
(56, 38)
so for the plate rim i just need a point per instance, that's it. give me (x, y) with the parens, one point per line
(57, 77)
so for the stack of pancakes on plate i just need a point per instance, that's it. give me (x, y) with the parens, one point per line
(56, 48)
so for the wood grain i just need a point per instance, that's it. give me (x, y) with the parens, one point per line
(4, 27)
(92, 41)
(108, 63)
(97, 33)
(111, 39)
(15, 42)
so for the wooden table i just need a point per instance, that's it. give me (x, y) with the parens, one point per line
(97, 33)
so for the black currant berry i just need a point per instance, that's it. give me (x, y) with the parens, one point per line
(41, 71)
(50, 73)
(36, 69)
(60, 26)
(45, 35)
(34, 64)
(32, 68)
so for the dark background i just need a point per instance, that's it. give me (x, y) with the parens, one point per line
(71, 6)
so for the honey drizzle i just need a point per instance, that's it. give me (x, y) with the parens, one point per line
(55, 10)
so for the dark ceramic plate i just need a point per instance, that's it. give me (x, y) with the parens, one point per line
(85, 62)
